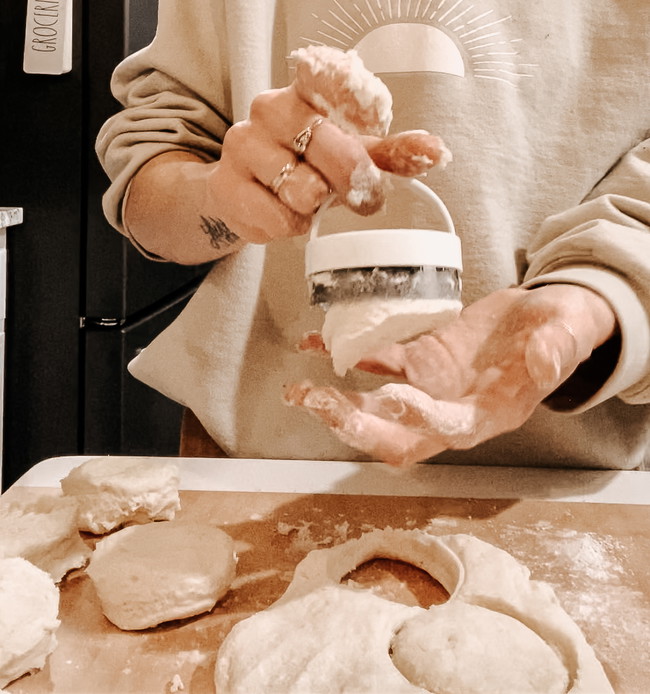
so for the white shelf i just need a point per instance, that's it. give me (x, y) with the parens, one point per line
(9, 216)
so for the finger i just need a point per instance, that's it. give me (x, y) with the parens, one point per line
(454, 424)
(385, 440)
(334, 81)
(345, 164)
(388, 361)
(340, 158)
(445, 424)
(551, 355)
(296, 183)
(253, 212)
(312, 342)
(409, 153)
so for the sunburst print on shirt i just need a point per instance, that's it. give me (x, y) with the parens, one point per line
(455, 37)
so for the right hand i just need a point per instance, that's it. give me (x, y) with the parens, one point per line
(184, 209)
(335, 162)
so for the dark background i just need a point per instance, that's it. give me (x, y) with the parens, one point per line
(81, 300)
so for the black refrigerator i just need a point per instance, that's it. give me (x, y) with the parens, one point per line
(81, 301)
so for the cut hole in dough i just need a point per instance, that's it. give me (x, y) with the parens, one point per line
(398, 581)
(324, 636)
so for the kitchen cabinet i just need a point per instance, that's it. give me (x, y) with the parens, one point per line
(81, 300)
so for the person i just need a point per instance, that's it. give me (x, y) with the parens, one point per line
(545, 109)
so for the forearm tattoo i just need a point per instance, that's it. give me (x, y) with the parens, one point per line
(218, 232)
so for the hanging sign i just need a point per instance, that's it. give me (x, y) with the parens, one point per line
(48, 37)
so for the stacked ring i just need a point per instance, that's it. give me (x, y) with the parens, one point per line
(278, 181)
(299, 145)
(303, 138)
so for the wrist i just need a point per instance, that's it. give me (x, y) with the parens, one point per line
(170, 213)
(598, 340)
(590, 315)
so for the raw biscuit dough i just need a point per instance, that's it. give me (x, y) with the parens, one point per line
(43, 531)
(354, 330)
(29, 606)
(322, 636)
(114, 491)
(145, 575)
(433, 651)
(337, 84)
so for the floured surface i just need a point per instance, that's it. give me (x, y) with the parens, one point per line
(593, 555)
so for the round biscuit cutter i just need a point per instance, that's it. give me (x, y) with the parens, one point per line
(403, 263)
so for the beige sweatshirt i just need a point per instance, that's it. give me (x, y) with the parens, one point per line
(546, 108)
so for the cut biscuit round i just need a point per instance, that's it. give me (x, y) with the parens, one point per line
(145, 575)
(44, 531)
(29, 606)
(116, 491)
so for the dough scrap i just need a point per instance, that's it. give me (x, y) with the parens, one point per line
(114, 491)
(145, 575)
(337, 84)
(460, 647)
(43, 531)
(321, 636)
(29, 606)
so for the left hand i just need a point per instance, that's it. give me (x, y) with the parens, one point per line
(480, 376)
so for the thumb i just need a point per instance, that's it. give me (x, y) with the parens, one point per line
(551, 354)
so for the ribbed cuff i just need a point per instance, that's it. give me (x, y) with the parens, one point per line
(631, 370)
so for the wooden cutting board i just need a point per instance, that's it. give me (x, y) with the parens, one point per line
(594, 555)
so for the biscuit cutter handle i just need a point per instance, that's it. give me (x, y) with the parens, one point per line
(420, 189)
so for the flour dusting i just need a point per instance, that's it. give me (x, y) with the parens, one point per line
(587, 573)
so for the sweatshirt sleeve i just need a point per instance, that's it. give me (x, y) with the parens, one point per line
(604, 245)
(175, 95)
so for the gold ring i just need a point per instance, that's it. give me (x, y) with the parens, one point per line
(303, 138)
(281, 178)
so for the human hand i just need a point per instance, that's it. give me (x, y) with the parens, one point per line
(477, 377)
(322, 135)
(316, 137)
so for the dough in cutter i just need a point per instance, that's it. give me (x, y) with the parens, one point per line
(145, 575)
(29, 606)
(114, 491)
(354, 330)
